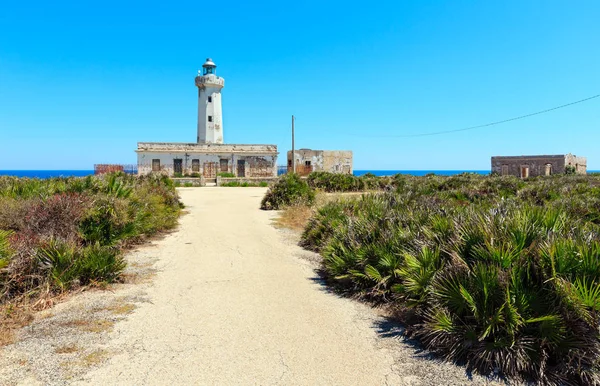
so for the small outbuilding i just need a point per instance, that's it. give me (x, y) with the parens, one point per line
(526, 166)
(334, 161)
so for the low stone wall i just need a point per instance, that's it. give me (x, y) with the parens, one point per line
(190, 180)
(250, 180)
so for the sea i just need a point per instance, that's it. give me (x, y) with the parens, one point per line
(83, 173)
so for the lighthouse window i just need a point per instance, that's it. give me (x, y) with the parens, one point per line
(209, 99)
(210, 118)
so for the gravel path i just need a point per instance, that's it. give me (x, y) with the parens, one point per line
(234, 301)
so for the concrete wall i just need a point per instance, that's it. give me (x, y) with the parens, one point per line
(337, 161)
(334, 161)
(210, 86)
(264, 165)
(194, 181)
(537, 165)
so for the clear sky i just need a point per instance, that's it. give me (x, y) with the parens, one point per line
(82, 82)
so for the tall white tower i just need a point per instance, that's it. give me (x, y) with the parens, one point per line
(210, 115)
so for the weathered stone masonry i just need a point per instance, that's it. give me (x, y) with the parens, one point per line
(538, 165)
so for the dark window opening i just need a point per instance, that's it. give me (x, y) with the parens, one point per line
(195, 165)
(178, 165)
(289, 162)
(156, 165)
(209, 99)
(210, 118)
(306, 163)
(241, 168)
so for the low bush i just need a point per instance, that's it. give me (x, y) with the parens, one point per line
(226, 175)
(290, 189)
(499, 274)
(338, 182)
(65, 232)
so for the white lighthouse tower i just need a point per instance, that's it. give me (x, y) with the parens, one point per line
(210, 115)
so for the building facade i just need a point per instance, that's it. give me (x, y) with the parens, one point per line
(209, 156)
(334, 161)
(526, 166)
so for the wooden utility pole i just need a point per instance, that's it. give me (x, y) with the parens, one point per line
(293, 149)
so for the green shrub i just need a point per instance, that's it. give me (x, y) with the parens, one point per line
(99, 264)
(497, 273)
(107, 221)
(290, 189)
(188, 185)
(335, 182)
(263, 184)
(6, 250)
(68, 266)
(64, 232)
(226, 175)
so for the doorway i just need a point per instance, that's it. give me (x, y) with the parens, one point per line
(524, 171)
(178, 165)
(209, 170)
(241, 168)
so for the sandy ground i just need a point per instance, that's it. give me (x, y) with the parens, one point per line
(234, 301)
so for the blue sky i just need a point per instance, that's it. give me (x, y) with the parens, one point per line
(82, 82)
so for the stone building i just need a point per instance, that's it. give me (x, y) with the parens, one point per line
(334, 161)
(538, 165)
(209, 155)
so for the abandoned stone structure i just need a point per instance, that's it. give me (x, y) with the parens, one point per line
(209, 155)
(538, 165)
(334, 161)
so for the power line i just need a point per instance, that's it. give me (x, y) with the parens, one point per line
(493, 123)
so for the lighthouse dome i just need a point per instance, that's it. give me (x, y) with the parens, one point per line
(209, 63)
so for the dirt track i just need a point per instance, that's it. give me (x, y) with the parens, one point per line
(234, 301)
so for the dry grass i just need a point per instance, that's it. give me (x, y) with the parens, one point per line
(94, 358)
(294, 217)
(67, 349)
(122, 309)
(12, 317)
(96, 325)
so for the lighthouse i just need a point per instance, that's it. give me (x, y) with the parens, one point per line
(210, 115)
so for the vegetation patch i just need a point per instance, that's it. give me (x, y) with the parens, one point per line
(61, 234)
(91, 325)
(294, 217)
(290, 189)
(67, 349)
(122, 309)
(497, 273)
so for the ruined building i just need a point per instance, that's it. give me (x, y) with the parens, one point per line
(334, 161)
(538, 165)
(209, 155)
